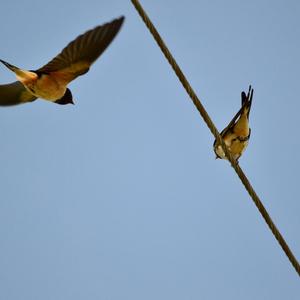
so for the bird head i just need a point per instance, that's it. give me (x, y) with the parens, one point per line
(66, 99)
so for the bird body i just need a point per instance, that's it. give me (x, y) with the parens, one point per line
(50, 81)
(237, 133)
(48, 87)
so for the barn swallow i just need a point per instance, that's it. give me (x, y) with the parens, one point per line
(50, 81)
(237, 133)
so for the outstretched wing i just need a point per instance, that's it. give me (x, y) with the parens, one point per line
(77, 57)
(14, 93)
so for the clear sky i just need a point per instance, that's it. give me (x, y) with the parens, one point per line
(120, 196)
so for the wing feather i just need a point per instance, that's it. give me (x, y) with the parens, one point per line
(246, 103)
(14, 93)
(76, 58)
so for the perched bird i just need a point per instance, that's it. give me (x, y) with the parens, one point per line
(236, 135)
(50, 81)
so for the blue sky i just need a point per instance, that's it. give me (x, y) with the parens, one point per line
(119, 196)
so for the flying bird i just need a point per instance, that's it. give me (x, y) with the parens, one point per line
(50, 81)
(237, 133)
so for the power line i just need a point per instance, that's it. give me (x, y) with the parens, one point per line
(216, 134)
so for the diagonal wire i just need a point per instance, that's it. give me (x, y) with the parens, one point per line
(216, 134)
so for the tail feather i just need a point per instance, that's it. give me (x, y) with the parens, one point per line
(247, 100)
(9, 66)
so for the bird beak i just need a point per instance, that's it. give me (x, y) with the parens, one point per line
(9, 66)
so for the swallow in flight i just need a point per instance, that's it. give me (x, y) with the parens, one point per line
(50, 81)
(236, 135)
